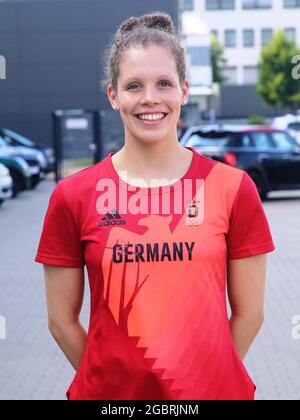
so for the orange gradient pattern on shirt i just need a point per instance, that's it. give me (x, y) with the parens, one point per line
(174, 288)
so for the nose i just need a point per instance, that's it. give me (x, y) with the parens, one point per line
(150, 96)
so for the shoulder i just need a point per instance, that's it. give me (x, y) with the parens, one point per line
(82, 182)
(221, 175)
(225, 184)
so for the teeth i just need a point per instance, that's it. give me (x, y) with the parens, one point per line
(151, 117)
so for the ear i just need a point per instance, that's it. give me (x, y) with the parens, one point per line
(112, 97)
(185, 92)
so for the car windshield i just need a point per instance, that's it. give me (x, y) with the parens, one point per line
(208, 139)
(21, 139)
(2, 143)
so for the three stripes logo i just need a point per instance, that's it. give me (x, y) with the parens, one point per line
(112, 218)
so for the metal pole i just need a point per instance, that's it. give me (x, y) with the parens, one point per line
(57, 143)
(97, 136)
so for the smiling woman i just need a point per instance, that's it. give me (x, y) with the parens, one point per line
(146, 83)
(159, 328)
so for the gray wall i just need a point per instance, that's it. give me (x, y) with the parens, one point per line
(53, 52)
(243, 101)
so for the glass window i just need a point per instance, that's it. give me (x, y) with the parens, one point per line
(208, 139)
(188, 5)
(19, 139)
(2, 143)
(290, 33)
(230, 38)
(199, 56)
(266, 36)
(246, 141)
(291, 3)
(261, 140)
(220, 4)
(257, 4)
(250, 75)
(283, 141)
(295, 126)
(230, 75)
(248, 38)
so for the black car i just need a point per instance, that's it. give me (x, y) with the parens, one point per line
(46, 158)
(270, 156)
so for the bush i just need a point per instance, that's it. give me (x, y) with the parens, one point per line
(256, 120)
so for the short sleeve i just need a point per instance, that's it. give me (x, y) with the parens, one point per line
(60, 239)
(249, 232)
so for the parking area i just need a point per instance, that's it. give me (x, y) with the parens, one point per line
(33, 367)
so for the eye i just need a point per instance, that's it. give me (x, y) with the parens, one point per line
(133, 86)
(166, 83)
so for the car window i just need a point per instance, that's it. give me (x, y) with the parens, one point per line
(20, 139)
(207, 139)
(261, 140)
(8, 140)
(2, 142)
(246, 141)
(283, 141)
(294, 126)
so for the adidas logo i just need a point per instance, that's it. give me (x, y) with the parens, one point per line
(112, 218)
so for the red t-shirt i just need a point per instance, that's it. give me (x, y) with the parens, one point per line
(159, 326)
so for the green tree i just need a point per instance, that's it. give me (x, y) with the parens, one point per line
(217, 59)
(277, 85)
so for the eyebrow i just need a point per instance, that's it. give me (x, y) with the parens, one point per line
(163, 76)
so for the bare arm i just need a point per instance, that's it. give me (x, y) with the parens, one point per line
(64, 293)
(246, 293)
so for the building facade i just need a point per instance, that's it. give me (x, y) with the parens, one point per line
(243, 27)
(195, 38)
(51, 57)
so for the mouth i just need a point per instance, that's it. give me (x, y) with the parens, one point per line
(151, 119)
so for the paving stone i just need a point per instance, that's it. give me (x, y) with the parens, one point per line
(33, 367)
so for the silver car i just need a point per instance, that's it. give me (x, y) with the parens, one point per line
(6, 184)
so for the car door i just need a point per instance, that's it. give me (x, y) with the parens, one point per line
(288, 152)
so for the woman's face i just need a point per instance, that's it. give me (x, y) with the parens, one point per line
(149, 96)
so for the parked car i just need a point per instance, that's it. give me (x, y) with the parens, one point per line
(29, 156)
(19, 170)
(290, 123)
(270, 156)
(45, 155)
(6, 184)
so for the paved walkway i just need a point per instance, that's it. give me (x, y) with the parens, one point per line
(274, 360)
(33, 367)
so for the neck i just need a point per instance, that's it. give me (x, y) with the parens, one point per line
(151, 157)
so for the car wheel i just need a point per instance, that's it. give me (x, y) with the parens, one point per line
(260, 184)
(35, 179)
(18, 184)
